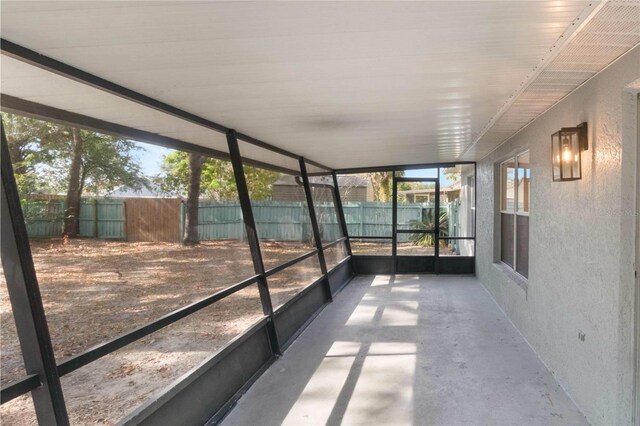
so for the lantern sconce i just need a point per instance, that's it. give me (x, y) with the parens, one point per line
(566, 148)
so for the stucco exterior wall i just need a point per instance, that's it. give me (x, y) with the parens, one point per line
(581, 273)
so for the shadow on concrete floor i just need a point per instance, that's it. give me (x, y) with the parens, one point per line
(409, 349)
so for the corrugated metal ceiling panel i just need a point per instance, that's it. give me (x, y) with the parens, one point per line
(345, 84)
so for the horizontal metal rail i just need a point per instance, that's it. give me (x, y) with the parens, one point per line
(339, 264)
(400, 167)
(417, 179)
(112, 345)
(415, 231)
(457, 238)
(333, 243)
(368, 237)
(34, 58)
(20, 106)
(299, 295)
(19, 387)
(292, 262)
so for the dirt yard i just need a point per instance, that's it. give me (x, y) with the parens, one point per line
(95, 290)
(383, 248)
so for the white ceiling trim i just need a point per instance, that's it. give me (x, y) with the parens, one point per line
(610, 32)
(578, 23)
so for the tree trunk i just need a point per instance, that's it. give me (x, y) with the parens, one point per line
(381, 183)
(16, 153)
(191, 214)
(385, 187)
(74, 191)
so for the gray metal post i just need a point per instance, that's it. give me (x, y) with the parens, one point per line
(394, 223)
(314, 226)
(340, 214)
(26, 302)
(252, 237)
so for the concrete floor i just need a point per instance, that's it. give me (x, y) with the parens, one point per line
(408, 350)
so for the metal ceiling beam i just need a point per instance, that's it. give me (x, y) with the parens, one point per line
(38, 111)
(47, 63)
(399, 167)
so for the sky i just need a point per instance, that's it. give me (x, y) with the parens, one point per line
(428, 173)
(151, 159)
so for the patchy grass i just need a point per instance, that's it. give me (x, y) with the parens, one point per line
(95, 290)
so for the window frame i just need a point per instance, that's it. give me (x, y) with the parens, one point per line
(514, 159)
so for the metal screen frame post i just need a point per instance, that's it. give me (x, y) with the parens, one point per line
(340, 214)
(26, 301)
(252, 238)
(314, 227)
(436, 249)
(394, 222)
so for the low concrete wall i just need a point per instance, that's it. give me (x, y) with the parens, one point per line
(581, 273)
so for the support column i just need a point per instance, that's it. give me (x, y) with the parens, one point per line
(436, 249)
(252, 237)
(26, 301)
(340, 213)
(316, 230)
(394, 222)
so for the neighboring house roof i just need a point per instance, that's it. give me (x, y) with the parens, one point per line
(343, 181)
(149, 190)
(453, 187)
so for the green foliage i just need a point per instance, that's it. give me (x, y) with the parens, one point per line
(428, 240)
(109, 162)
(217, 181)
(382, 184)
(31, 144)
(41, 154)
(34, 210)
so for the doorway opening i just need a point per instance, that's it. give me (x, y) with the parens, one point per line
(423, 221)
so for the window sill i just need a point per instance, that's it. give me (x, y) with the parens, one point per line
(512, 276)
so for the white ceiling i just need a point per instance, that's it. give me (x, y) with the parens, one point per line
(346, 84)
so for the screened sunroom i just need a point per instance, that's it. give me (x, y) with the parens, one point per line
(256, 213)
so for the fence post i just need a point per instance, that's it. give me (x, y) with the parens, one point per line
(303, 224)
(241, 228)
(125, 236)
(182, 218)
(252, 237)
(26, 301)
(95, 218)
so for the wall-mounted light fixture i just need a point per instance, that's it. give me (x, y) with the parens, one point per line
(566, 147)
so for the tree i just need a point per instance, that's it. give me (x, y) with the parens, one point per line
(218, 182)
(30, 144)
(193, 175)
(51, 157)
(191, 217)
(381, 183)
(96, 164)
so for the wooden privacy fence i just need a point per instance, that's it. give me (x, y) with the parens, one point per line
(162, 219)
(275, 220)
(153, 219)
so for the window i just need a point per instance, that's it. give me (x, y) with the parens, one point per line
(515, 176)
